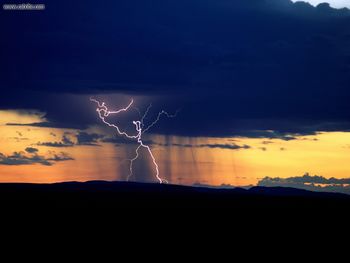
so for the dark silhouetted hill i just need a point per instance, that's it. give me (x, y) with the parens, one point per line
(101, 194)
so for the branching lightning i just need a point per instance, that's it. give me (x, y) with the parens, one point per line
(103, 113)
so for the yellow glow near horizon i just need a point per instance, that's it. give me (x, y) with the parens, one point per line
(325, 154)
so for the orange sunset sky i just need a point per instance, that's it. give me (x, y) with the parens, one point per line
(324, 154)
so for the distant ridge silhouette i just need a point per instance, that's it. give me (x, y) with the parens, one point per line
(94, 194)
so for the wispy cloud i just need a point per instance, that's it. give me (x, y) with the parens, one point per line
(18, 158)
(309, 182)
(21, 158)
(65, 142)
(84, 138)
(31, 150)
(224, 146)
(21, 117)
(62, 156)
(47, 124)
(232, 146)
(69, 140)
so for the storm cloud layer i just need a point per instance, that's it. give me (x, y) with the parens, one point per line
(259, 68)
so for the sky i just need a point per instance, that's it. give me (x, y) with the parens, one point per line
(261, 90)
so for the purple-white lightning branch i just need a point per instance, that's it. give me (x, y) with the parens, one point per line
(103, 113)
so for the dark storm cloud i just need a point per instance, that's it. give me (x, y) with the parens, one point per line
(19, 158)
(226, 63)
(309, 182)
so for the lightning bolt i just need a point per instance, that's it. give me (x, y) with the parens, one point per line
(103, 113)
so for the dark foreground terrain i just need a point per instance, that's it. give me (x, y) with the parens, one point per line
(137, 211)
(122, 195)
